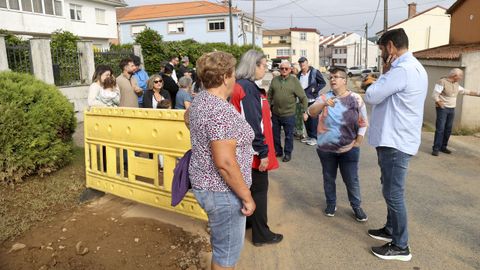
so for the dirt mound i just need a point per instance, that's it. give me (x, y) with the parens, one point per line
(98, 238)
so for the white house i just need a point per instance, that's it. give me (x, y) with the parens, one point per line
(202, 21)
(292, 43)
(94, 20)
(347, 50)
(427, 29)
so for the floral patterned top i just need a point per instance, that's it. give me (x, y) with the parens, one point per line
(211, 119)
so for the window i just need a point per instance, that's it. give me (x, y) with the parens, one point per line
(75, 12)
(137, 29)
(283, 37)
(14, 4)
(175, 28)
(58, 7)
(3, 3)
(216, 25)
(303, 53)
(246, 26)
(293, 52)
(270, 38)
(27, 5)
(100, 15)
(303, 36)
(49, 7)
(37, 6)
(283, 52)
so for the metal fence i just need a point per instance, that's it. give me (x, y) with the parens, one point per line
(19, 58)
(66, 67)
(111, 58)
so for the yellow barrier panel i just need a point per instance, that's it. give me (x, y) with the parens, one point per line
(132, 153)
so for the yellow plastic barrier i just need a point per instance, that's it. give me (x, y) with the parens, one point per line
(132, 153)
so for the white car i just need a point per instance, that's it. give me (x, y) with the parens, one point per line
(354, 71)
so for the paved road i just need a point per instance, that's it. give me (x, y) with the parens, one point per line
(443, 197)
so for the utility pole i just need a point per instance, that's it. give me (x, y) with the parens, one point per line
(385, 15)
(231, 21)
(366, 45)
(253, 30)
(360, 53)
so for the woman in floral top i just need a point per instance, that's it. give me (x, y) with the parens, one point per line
(341, 128)
(222, 154)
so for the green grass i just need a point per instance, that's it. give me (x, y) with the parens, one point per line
(37, 199)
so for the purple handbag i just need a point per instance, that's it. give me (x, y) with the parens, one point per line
(181, 181)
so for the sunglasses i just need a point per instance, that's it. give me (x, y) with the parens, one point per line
(158, 81)
(284, 68)
(335, 77)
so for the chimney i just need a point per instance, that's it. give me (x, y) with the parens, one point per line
(412, 9)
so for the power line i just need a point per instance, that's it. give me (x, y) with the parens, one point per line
(376, 12)
(318, 17)
(279, 6)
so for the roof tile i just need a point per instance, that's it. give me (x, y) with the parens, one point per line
(182, 9)
(447, 52)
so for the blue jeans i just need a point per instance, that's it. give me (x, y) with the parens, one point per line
(348, 164)
(394, 166)
(443, 128)
(288, 124)
(311, 125)
(227, 225)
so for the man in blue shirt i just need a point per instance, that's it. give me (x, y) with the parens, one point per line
(398, 98)
(312, 82)
(141, 76)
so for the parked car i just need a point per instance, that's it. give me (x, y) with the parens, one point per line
(365, 72)
(354, 71)
(368, 80)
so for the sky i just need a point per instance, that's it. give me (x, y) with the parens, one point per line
(328, 16)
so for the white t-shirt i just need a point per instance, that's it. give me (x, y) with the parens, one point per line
(304, 79)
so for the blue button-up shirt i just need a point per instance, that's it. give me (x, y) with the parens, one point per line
(398, 97)
(142, 78)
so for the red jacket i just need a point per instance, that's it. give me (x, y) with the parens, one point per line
(251, 101)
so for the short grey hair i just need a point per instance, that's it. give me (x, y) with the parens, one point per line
(248, 64)
(286, 62)
(185, 82)
(455, 71)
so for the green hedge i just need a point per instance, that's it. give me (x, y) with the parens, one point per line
(155, 50)
(36, 127)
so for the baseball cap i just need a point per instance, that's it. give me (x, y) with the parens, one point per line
(302, 59)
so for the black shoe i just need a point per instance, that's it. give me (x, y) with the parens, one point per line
(277, 238)
(380, 234)
(435, 153)
(287, 158)
(360, 214)
(279, 155)
(446, 151)
(330, 210)
(391, 252)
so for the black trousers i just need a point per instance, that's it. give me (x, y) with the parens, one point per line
(258, 221)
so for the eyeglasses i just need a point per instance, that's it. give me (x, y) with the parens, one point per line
(158, 81)
(284, 68)
(335, 77)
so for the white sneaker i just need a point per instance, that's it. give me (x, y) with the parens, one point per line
(306, 139)
(312, 142)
